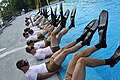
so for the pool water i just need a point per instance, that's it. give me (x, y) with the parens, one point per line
(88, 10)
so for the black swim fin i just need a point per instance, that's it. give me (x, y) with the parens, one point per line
(55, 12)
(72, 18)
(90, 34)
(45, 13)
(41, 11)
(86, 30)
(67, 12)
(61, 10)
(53, 18)
(115, 57)
(102, 27)
(64, 18)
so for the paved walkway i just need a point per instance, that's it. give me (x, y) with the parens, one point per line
(12, 49)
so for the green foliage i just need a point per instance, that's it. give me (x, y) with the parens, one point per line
(18, 5)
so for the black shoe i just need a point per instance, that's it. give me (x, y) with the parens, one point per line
(90, 33)
(86, 30)
(115, 58)
(102, 27)
(72, 18)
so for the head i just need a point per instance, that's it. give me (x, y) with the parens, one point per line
(30, 31)
(30, 43)
(30, 49)
(22, 65)
(27, 23)
(26, 35)
(26, 19)
(26, 29)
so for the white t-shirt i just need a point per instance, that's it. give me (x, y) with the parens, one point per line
(35, 33)
(41, 53)
(32, 37)
(34, 70)
(35, 28)
(39, 44)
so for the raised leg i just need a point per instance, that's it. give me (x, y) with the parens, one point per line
(61, 34)
(61, 56)
(57, 30)
(42, 22)
(80, 68)
(84, 53)
(37, 21)
(50, 31)
(54, 40)
(70, 45)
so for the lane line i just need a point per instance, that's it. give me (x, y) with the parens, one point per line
(11, 51)
(2, 49)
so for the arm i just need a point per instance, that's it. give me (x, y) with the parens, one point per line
(42, 47)
(48, 56)
(36, 40)
(44, 75)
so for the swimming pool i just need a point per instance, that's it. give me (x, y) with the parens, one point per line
(88, 10)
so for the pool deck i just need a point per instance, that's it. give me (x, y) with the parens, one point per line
(13, 43)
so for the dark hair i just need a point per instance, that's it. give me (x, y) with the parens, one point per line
(27, 23)
(26, 19)
(29, 42)
(27, 49)
(26, 29)
(25, 34)
(22, 63)
(30, 31)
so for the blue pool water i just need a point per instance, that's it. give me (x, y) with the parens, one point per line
(88, 10)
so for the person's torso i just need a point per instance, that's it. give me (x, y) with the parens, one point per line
(46, 50)
(34, 70)
(39, 44)
(32, 37)
(41, 53)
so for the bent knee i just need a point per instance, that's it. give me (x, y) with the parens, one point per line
(60, 34)
(62, 49)
(53, 34)
(66, 51)
(82, 60)
(75, 57)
